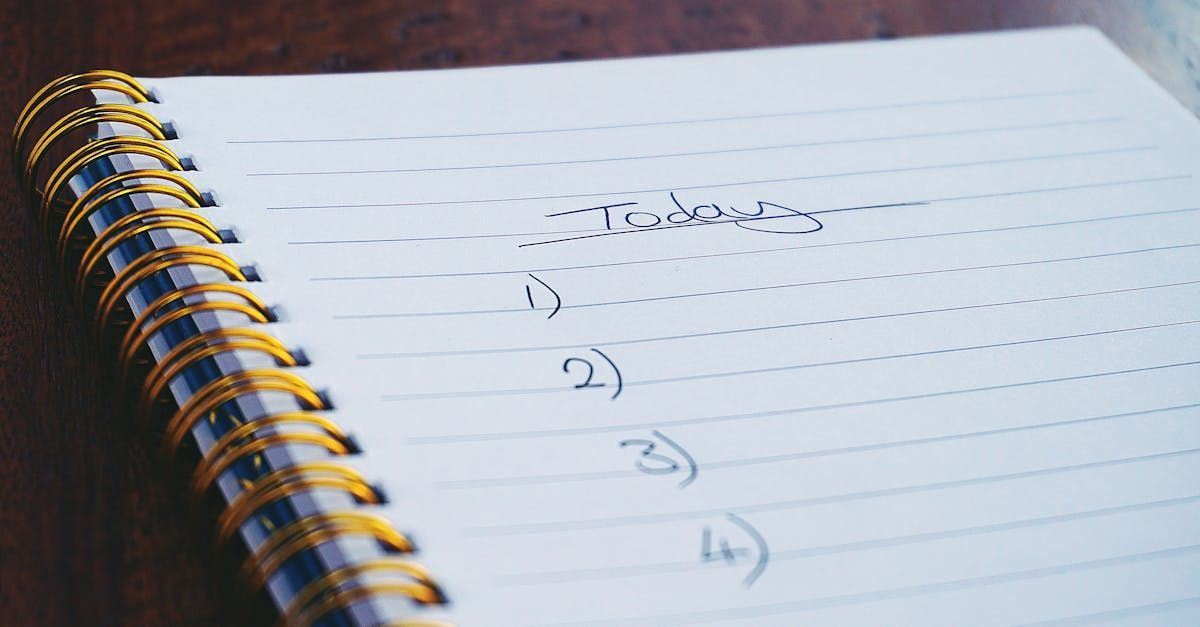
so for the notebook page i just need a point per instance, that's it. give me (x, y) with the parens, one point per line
(878, 333)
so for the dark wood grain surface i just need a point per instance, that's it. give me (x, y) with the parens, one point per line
(90, 532)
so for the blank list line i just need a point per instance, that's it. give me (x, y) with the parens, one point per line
(718, 151)
(703, 120)
(785, 179)
(1124, 612)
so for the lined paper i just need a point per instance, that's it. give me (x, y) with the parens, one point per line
(878, 333)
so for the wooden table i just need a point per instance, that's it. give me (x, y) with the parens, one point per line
(90, 529)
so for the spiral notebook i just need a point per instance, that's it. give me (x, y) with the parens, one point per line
(876, 333)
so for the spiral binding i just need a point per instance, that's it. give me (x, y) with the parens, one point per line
(63, 221)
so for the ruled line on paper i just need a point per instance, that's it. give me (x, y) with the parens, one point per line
(775, 327)
(927, 201)
(559, 526)
(792, 607)
(545, 479)
(1148, 609)
(703, 120)
(699, 420)
(758, 251)
(786, 179)
(775, 369)
(609, 230)
(720, 151)
(628, 570)
(742, 290)
(736, 221)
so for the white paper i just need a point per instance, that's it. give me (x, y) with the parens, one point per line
(968, 398)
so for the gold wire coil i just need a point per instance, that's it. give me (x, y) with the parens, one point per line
(130, 226)
(82, 118)
(419, 592)
(35, 108)
(333, 580)
(262, 443)
(224, 452)
(88, 202)
(89, 116)
(68, 226)
(64, 86)
(152, 263)
(246, 439)
(310, 532)
(132, 220)
(224, 389)
(94, 151)
(250, 310)
(284, 483)
(166, 370)
(135, 336)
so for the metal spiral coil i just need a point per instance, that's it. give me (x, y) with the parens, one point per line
(64, 221)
